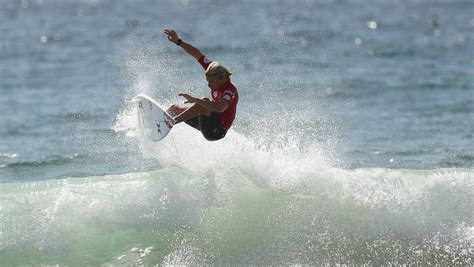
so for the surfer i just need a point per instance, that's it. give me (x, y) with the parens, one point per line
(213, 117)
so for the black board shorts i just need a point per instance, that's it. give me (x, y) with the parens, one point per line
(209, 126)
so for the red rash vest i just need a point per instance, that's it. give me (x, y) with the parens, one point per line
(228, 93)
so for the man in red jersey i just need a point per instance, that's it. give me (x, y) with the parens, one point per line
(212, 117)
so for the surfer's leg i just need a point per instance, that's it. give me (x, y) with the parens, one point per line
(213, 134)
(175, 109)
(195, 122)
(192, 112)
(210, 128)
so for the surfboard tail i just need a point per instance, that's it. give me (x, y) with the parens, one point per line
(154, 120)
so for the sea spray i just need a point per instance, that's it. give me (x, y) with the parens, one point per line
(271, 200)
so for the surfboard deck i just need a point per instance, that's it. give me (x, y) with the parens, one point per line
(153, 120)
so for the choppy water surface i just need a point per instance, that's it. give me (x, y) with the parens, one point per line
(353, 142)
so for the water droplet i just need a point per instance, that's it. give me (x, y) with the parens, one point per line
(358, 41)
(392, 160)
(281, 32)
(44, 39)
(121, 257)
(304, 42)
(372, 25)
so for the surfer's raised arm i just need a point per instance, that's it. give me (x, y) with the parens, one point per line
(173, 37)
(212, 117)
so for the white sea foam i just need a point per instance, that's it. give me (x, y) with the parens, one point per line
(237, 207)
(9, 155)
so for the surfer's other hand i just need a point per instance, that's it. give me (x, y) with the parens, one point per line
(172, 35)
(189, 99)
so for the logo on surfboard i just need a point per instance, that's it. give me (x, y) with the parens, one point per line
(154, 121)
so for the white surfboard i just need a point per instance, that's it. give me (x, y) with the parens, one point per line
(152, 118)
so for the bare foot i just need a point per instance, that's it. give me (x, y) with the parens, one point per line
(170, 122)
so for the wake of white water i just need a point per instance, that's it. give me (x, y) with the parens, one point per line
(321, 213)
(283, 166)
(234, 215)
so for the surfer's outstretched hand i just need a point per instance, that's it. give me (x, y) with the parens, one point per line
(189, 99)
(172, 35)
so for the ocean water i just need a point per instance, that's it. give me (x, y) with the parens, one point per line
(353, 143)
